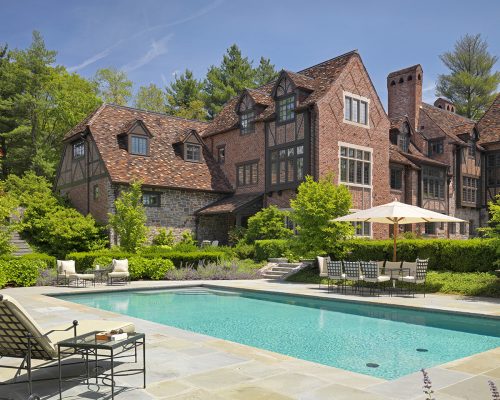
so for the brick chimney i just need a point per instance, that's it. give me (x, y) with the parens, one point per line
(445, 104)
(404, 88)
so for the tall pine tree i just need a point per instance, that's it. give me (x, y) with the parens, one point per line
(471, 84)
(265, 72)
(227, 80)
(184, 97)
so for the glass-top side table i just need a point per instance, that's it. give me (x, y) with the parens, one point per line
(87, 345)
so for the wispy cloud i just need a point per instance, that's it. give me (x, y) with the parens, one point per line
(90, 60)
(156, 49)
(163, 79)
(201, 12)
(428, 93)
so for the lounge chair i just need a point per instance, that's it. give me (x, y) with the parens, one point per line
(21, 337)
(323, 269)
(352, 272)
(371, 273)
(417, 273)
(66, 273)
(335, 273)
(215, 243)
(119, 272)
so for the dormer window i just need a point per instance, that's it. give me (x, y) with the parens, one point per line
(247, 123)
(139, 145)
(286, 108)
(193, 152)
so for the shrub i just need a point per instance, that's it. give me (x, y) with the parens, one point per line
(147, 268)
(164, 238)
(21, 272)
(234, 269)
(86, 260)
(49, 260)
(265, 249)
(235, 234)
(187, 238)
(444, 254)
(244, 250)
(268, 223)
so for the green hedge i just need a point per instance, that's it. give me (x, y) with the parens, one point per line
(473, 255)
(86, 260)
(50, 260)
(20, 272)
(147, 268)
(271, 248)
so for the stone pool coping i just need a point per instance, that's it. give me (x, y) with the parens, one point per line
(186, 365)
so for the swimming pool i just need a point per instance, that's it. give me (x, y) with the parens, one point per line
(382, 341)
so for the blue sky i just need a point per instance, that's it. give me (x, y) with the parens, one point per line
(152, 40)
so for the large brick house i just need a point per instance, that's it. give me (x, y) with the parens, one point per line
(328, 118)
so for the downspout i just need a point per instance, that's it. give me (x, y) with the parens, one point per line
(87, 168)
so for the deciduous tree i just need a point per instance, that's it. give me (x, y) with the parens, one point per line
(150, 98)
(129, 219)
(316, 204)
(471, 84)
(113, 86)
(268, 223)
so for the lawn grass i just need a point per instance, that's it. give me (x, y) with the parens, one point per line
(461, 283)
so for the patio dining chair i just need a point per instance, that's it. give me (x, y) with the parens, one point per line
(352, 272)
(417, 274)
(371, 273)
(21, 337)
(334, 269)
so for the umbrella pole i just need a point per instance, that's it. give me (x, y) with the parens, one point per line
(394, 235)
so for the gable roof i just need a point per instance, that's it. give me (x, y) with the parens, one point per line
(164, 166)
(489, 124)
(450, 123)
(316, 79)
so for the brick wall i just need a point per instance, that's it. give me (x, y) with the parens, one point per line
(332, 129)
(240, 149)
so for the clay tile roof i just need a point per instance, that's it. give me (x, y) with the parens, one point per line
(317, 79)
(397, 122)
(164, 166)
(450, 123)
(230, 204)
(489, 125)
(417, 157)
(260, 97)
(397, 157)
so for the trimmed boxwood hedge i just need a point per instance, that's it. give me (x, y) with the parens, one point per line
(85, 260)
(473, 255)
(50, 260)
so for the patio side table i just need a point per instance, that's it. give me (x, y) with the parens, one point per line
(394, 273)
(87, 345)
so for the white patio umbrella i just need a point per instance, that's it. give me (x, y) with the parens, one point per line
(397, 213)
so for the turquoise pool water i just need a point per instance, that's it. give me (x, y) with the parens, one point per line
(337, 333)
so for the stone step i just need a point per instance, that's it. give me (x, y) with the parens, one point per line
(284, 269)
(278, 260)
(270, 275)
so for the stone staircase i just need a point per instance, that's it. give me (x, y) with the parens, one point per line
(22, 247)
(280, 268)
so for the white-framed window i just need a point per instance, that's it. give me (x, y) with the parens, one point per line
(355, 164)
(356, 109)
(193, 152)
(362, 229)
(78, 149)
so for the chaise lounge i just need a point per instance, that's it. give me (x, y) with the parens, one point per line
(21, 337)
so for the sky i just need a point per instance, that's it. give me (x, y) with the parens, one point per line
(153, 40)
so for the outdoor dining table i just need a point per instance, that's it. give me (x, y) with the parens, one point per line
(395, 273)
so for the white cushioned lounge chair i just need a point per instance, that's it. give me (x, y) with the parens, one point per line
(372, 273)
(335, 274)
(21, 337)
(66, 273)
(415, 273)
(119, 272)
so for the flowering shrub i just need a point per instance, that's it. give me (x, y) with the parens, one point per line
(214, 271)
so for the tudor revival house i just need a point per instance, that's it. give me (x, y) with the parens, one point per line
(328, 118)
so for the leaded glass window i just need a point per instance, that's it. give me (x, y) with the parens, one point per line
(355, 166)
